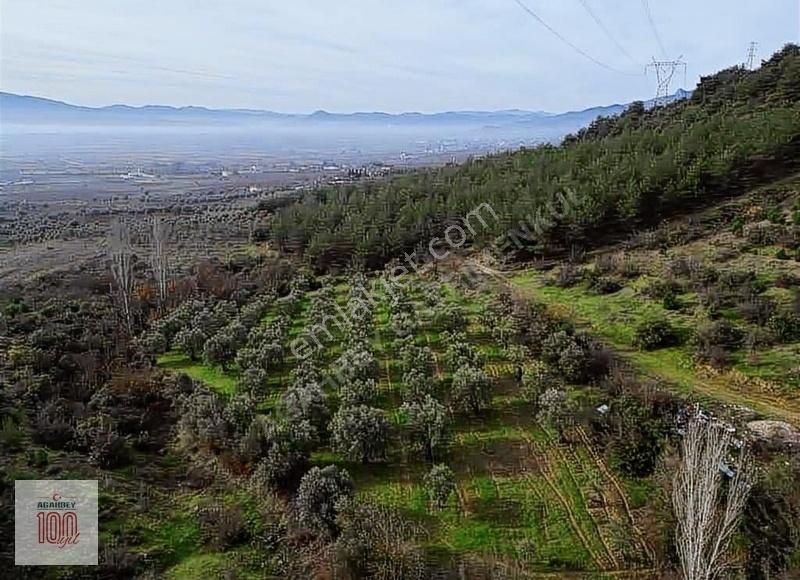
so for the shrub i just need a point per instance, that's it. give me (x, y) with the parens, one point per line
(153, 343)
(764, 233)
(785, 326)
(571, 355)
(712, 340)
(606, 285)
(757, 309)
(191, 342)
(554, 411)
(376, 541)
(654, 333)
(787, 280)
(107, 448)
(222, 527)
(417, 386)
(451, 317)
(307, 402)
(52, 426)
(219, 350)
(279, 450)
(568, 275)
(253, 381)
(660, 287)
(11, 435)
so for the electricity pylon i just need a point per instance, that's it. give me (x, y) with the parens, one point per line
(751, 56)
(665, 71)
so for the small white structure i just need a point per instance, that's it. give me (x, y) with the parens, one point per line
(728, 470)
(603, 409)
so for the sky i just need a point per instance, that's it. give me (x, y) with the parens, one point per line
(374, 55)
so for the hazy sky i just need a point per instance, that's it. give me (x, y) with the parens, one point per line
(390, 55)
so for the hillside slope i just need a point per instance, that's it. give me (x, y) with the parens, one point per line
(740, 129)
(707, 304)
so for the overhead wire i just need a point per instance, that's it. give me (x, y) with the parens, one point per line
(653, 27)
(608, 33)
(568, 42)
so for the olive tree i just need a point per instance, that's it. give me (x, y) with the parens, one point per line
(427, 423)
(322, 494)
(537, 379)
(471, 390)
(191, 341)
(358, 392)
(440, 484)
(417, 386)
(307, 402)
(360, 433)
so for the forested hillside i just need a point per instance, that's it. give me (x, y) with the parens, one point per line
(739, 128)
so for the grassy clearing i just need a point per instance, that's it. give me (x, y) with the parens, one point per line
(222, 382)
(613, 319)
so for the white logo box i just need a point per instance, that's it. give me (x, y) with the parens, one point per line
(55, 522)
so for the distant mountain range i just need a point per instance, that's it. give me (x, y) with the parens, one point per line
(28, 110)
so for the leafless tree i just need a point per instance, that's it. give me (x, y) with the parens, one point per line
(707, 511)
(159, 260)
(120, 254)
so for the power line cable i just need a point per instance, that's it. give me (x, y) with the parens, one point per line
(608, 33)
(652, 22)
(566, 41)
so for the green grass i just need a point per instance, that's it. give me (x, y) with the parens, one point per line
(222, 382)
(613, 318)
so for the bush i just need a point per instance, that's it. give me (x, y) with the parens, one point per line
(11, 435)
(714, 339)
(785, 326)
(107, 448)
(572, 355)
(280, 451)
(764, 233)
(554, 410)
(757, 309)
(222, 527)
(655, 333)
(358, 392)
(606, 285)
(568, 275)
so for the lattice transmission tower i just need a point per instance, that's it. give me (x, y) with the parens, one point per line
(665, 71)
(750, 63)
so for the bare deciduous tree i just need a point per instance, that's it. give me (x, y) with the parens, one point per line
(707, 516)
(159, 260)
(120, 254)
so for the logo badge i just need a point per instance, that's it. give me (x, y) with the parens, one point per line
(55, 522)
